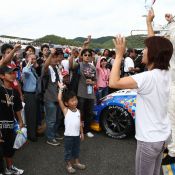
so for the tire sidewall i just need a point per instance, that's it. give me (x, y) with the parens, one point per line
(128, 129)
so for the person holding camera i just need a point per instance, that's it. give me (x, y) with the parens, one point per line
(52, 70)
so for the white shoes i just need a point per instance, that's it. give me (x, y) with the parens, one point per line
(90, 135)
(14, 170)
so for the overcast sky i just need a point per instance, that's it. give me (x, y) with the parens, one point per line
(74, 18)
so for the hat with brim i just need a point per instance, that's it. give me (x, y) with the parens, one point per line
(103, 59)
(8, 69)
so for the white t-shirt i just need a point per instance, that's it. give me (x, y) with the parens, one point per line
(128, 62)
(72, 123)
(65, 64)
(152, 122)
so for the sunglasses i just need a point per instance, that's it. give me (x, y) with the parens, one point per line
(87, 55)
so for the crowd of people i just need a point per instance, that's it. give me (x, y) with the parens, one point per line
(66, 83)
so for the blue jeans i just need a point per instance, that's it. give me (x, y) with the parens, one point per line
(101, 92)
(71, 147)
(52, 119)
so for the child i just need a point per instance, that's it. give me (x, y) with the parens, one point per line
(73, 129)
(102, 78)
(10, 107)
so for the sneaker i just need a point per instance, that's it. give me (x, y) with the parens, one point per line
(59, 137)
(90, 135)
(80, 166)
(53, 142)
(70, 169)
(168, 160)
(13, 170)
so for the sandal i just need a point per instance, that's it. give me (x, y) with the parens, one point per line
(70, 169)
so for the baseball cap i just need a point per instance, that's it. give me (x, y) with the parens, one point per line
(64, 73)
(8, 69)
(66, 55)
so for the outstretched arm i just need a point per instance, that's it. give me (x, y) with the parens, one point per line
(9, 57)
(60, 94)
(72, 63)
(149, 20)
(48, 61)
(115, 81)
(85, 44)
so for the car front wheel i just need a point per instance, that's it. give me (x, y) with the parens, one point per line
(117, 122)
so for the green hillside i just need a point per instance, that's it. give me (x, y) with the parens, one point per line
(102, 42)
(53, 39)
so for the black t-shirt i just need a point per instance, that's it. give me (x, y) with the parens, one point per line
(10, 103)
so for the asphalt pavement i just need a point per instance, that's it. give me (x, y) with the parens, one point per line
(101, 154)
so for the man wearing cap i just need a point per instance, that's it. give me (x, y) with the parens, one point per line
(10, 107)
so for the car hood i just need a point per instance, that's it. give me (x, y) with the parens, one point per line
(124, 92)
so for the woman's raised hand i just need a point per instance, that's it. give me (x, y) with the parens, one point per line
(150, 16)
(120, 45)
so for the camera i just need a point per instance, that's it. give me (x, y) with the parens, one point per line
(59, 51)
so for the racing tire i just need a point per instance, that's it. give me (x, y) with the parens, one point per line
(117, 122)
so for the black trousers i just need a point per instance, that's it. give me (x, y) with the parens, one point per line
(1, 159)
(86, 108)
(31, 114)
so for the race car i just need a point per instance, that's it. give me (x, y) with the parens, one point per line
(115, 114)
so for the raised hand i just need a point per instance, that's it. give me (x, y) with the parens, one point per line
(150, 15)
(61, 85)
(17, 46)
(88, 40)
(120, 45)
(169, 17)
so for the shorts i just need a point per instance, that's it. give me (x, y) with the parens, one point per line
(71, 147)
